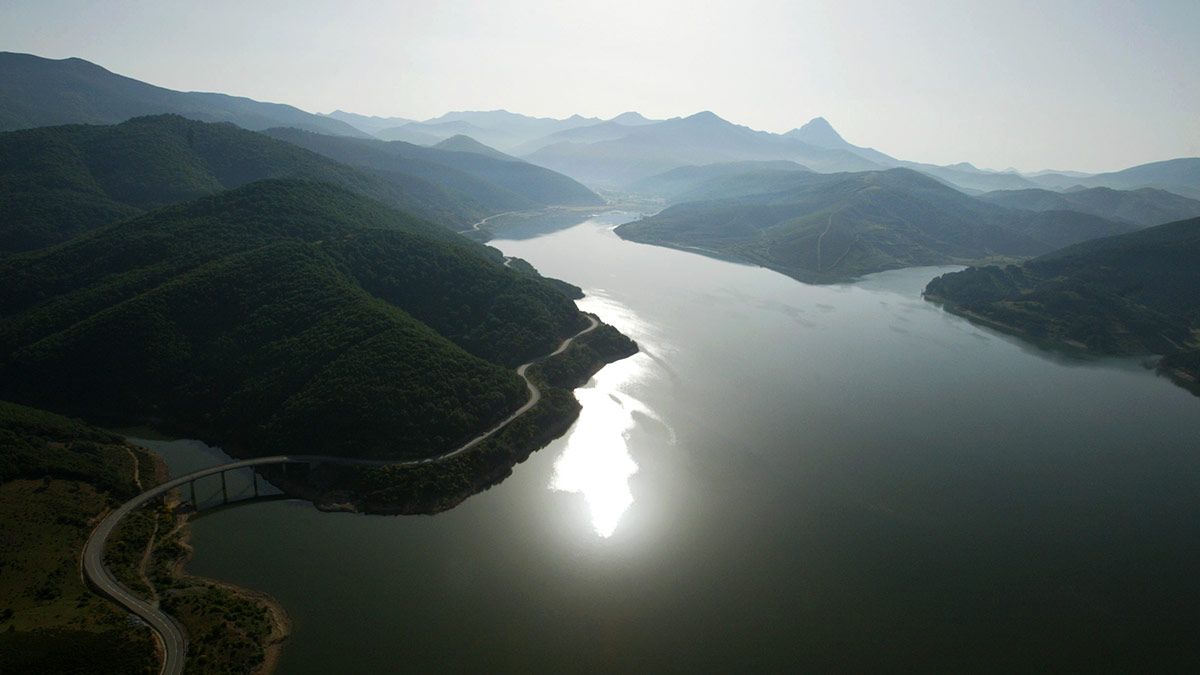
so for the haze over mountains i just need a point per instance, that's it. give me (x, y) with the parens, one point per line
(36, 92)
(824, 208)
(270, 280)
(83, 176)
(164, 265)
(612, 154)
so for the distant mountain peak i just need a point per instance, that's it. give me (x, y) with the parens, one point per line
(464, 143)
(964, 166)
(819, 132)
(705, 117)
(631, 117)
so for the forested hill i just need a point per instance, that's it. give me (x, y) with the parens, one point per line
(492, 178)
(58, 181)
(1143, 207)
(1126, 295)
(38, 92)
(276, 316)
(833, 227)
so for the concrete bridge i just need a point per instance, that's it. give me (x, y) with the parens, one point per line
(174, 639)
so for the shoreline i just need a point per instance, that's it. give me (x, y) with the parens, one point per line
(1069, 348)
(486, 459)
(1180, 377)
(281, 624)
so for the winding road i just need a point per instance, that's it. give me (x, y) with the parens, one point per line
(476, 226)
(170, 633)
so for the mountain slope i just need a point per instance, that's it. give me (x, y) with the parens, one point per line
(507, 130)
(278, 316)
(1144, 206)
(1181, 176)
(716, 181)
(37, 92)
(829, 227)
(462, 143)
(1126, 295)
(58, 181)
(499, 185)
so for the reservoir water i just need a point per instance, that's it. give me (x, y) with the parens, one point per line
(836, 477)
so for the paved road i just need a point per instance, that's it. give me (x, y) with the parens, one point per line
(174, 640)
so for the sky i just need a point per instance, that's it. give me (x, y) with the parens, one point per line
(1057, 84)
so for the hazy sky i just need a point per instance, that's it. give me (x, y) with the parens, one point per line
(1091, 85)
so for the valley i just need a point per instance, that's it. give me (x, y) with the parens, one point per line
(612, 384)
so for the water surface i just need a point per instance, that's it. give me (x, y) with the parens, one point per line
(787, 475)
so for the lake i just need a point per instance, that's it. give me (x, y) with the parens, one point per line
(833, 477)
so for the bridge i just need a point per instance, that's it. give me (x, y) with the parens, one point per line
(172, 635)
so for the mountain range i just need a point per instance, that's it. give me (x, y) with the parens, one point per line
(59, 181)
(38, 92)
(612, 154)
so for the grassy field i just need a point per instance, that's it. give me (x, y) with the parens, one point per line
(57, 478)
(50, 621)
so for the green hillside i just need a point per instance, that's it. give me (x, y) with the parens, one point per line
(56, 182)
(1126, 295)
(278, 316)
(379, 157)
(499, 184)
(831, 227)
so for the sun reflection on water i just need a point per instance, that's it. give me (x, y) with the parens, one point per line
(596, 461)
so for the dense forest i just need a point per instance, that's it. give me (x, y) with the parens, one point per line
(438, 486)
(279, 315)
(56, 182)
(1132, 294)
